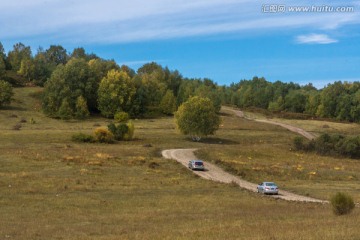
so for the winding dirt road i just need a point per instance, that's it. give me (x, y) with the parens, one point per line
(287, 126)
(215, 173)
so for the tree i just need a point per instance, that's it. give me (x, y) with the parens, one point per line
(2, 52)
(19, 53)
(115, 91)
(81, 108)
(168, 103)
(67, 81)
(6, 92)
(42, 70)
(27, 68)
(98, 70)
(295, 101)
(65, 111)
(80, 53)
(122, 131)
(2, 68)
(56, 55)
(197, 117)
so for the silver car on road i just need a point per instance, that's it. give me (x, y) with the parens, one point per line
(268, 188)
(196, 165)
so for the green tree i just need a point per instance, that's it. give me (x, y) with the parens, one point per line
(2, 68)
(210, 92)
(312, 103)
(81, 108)
(65, 112)
(27, 68)
(122, 131)
(19, 53)
(67, 81)
(56, 55)
(197, 117)
(295, 101)
(115, 91)
(42, 70)
(276, 105)
(168, 103)
(6, 92)
(2, 52)
(121, 117)
(355, 109)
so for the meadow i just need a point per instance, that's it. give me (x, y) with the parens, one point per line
(53, 188)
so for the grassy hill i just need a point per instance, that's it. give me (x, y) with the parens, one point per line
(53, 188)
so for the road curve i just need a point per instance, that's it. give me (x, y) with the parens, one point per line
(297, 130)
(217, 174)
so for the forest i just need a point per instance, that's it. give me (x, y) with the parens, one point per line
(78, 84)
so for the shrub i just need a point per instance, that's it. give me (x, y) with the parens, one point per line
(122, 131)
(303, 144)
(299, 143)
(349, 146)
(118, 130)
(82, 110)
(6, 92)
(103, 135)
(82, 137)
(342, 203)
(130, 133)
(65, 112)
(121, 117)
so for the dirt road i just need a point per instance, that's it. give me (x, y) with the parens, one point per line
(289, 127)
(215, 173)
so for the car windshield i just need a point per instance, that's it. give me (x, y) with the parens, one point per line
(198, 163)
(270, 184)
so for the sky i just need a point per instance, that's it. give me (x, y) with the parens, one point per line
(314, 41)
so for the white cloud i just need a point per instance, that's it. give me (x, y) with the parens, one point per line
(138, 20)
(315, 39)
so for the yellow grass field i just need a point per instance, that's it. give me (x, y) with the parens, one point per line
(53, 188)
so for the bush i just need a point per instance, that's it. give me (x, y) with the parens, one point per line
(331, 145)
(130, 133)
(103, 135)
(118, 130)
(122, 131)
(299, 143)
(82, 137)
(121, 117)
(6, 92)
(342, 203)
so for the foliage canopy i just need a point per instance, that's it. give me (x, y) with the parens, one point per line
(197, 117)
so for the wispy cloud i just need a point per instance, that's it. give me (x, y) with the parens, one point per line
(138, 20)
(315, 39)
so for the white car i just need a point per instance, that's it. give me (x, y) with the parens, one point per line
(268, 188)
(196, 165)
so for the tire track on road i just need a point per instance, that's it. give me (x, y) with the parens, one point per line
(217, 174)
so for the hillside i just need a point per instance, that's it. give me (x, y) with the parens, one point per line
(54, 188)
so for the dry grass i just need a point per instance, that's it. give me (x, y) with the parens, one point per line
(53, 188)
(264, 152)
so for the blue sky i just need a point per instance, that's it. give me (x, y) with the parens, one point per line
(224, 40)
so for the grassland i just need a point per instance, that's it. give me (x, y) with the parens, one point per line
(53, 188)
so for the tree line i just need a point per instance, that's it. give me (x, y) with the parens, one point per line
(78, 84)
(339, 100)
